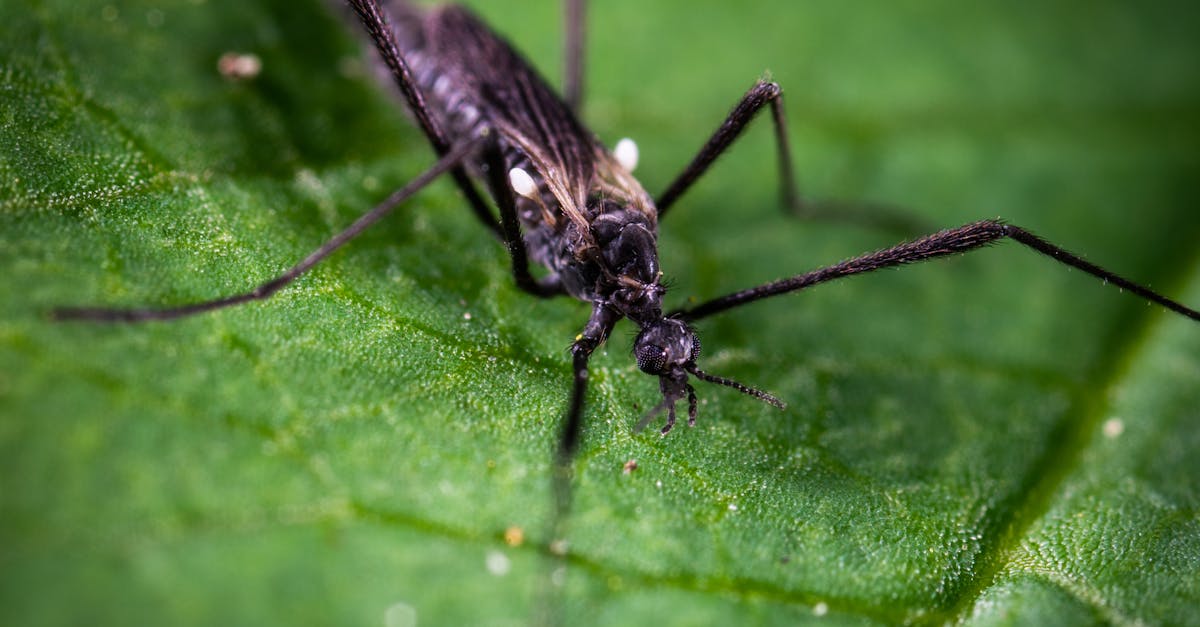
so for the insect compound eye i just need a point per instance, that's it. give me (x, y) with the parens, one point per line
(651, 359)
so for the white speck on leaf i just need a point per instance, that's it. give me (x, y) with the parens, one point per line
(498, 563)
(400, 615)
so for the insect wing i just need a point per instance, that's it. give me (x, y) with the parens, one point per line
(519, 104)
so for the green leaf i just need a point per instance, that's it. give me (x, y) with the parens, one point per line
(990, 439)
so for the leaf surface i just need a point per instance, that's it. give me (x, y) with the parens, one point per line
(993, 439)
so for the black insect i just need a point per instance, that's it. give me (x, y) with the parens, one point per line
(571, 205)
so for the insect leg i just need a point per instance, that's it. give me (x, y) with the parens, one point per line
(598, 327)
(761, 94)
(765, 93)
(962, 239)
(510, 227)
(376, 23)
(265, 290)
(549, 606)
(573, 42)
(564, 455)
(572, 429)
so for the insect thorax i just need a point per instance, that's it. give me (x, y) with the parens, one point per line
(615, 262)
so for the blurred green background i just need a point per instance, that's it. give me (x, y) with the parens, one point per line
(988, 440)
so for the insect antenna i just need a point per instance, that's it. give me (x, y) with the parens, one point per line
(744, 389)
(668, 402)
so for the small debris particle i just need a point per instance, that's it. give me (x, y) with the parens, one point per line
(1114, 427)
(239, 66)
(733, 507)
(514, 536)
(400, 615)
(820, 609)
(466, 315)
(629, 466)
(498, 563)
(658, 484)
(558, 547)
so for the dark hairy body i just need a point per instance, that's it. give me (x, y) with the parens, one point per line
(591, 225)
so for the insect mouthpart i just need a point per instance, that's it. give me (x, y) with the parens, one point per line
(668, 349)
(637, 300)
